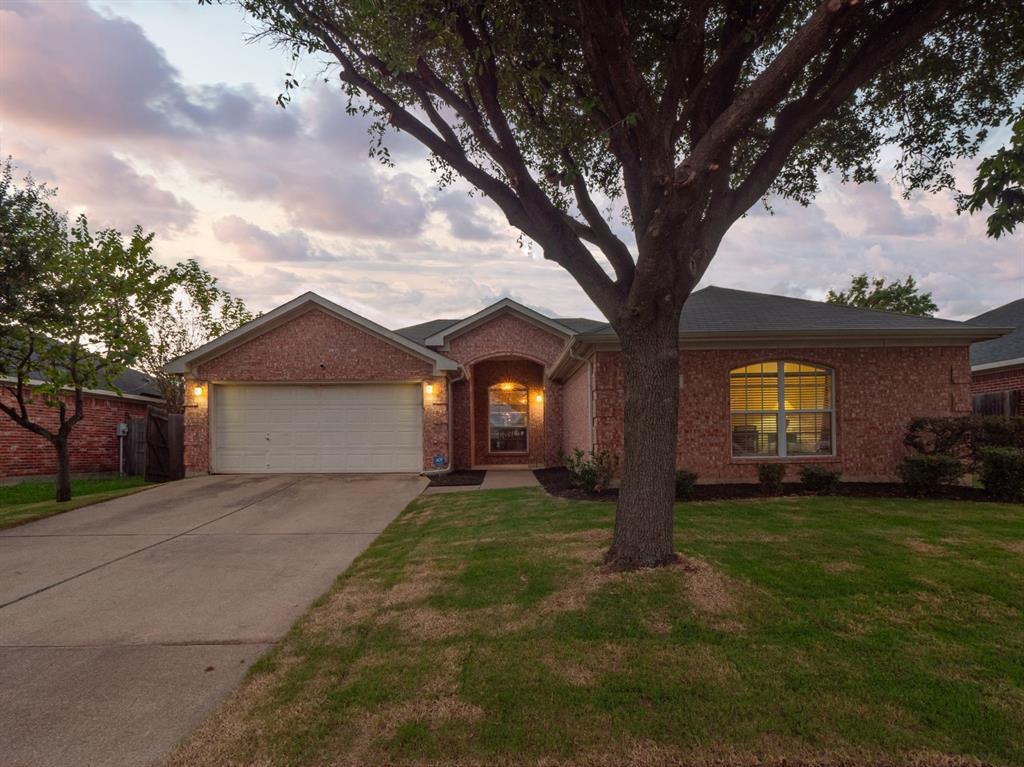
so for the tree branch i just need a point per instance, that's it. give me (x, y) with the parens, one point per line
(535, 215)
(765, 91)
(888, 40)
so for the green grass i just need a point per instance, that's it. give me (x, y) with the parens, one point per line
(29, 501)
(479, 628)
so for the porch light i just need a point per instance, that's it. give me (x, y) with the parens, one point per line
(430, 388)
(539, 397)
(197, 390)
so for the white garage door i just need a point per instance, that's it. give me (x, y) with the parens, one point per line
(316, 428)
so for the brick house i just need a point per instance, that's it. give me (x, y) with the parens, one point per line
(313, 387)
(997, 365)
(94, 442)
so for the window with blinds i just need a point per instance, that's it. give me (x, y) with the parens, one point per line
(781, 409)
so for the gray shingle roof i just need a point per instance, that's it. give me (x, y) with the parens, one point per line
(725, 310)
(1009, 347)
(715, 310)
(581, 324)
(423, 331)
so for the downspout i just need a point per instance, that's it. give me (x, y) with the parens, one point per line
(463, 375)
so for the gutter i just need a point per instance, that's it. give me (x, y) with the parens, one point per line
(989, 367)
(463, 375)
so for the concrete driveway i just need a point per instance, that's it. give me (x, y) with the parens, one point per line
(123, 624)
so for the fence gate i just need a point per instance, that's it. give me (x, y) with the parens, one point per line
(135, 447)
(165, 446)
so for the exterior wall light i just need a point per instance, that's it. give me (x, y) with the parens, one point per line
(430, 388)
(539, 397)
(197, 390)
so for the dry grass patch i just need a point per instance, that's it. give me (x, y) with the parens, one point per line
(481, 629)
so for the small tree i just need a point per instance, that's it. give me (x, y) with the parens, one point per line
(689, 112)
(874, 293)
(198, 311)
(75, 312)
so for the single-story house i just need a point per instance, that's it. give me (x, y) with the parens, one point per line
(94, 441)
(314, 387)
(997, 365)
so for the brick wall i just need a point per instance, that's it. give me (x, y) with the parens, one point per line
(313, 347)
(93, 441)
(999, 381)
(435, 423)
(576, 410)
(519, 342)
(502, 335)
(878, 390)
(529, 374)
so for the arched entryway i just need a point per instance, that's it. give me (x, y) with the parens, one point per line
(507, 412)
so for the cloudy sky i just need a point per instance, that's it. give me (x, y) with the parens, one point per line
(158, 112)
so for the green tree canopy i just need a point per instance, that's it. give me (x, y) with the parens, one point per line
(688, 112)
(1000, 185)
(76, 310)
(874, 293)
(198, 311)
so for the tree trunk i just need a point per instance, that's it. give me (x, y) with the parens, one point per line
(643, 516)
(63, 470)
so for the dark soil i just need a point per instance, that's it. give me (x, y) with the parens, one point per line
(457, 478)
(556, 481)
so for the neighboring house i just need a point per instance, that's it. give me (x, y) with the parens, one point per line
(313, 387)
(93, 443)
(997, 365)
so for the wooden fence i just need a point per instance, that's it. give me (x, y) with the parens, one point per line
(155, 446)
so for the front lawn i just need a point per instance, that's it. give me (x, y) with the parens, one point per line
(29, 501)
(479, 629)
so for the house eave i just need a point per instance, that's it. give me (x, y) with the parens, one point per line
(585, 344)
(1000, 365)
(108, 393)
(288, 311)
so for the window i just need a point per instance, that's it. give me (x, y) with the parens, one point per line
(508, 415)
(792, 399)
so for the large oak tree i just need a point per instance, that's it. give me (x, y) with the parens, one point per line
(689, 111)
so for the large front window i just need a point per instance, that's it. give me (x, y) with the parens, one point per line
(508, 415)
(791, 399)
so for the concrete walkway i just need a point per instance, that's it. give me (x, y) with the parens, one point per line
(123, 624)
(498, 479)
(494, 479)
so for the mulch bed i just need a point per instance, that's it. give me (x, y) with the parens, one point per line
(457, 478)
(555, 480)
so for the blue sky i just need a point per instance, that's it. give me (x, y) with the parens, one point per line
(160, 113)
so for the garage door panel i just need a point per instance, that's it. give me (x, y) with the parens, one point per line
(316, 428)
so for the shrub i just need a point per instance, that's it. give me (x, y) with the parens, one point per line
(819, 479)
(964, 436)
(1002, 472)
(770, 476)
(591, 472)
(925, 473)
(685, 480)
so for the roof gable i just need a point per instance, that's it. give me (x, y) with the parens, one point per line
(293, 308)
(505, 305)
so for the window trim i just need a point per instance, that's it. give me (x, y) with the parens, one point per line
(490, 426)
(781, 443)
